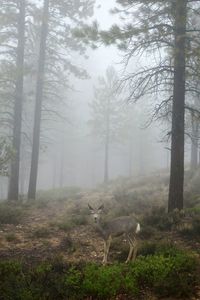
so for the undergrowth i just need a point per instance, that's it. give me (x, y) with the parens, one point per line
(166, 273)
(12, 213)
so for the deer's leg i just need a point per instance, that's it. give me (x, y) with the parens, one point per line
(130, 249)
(106, 250)
(104, 254)
(135, 249)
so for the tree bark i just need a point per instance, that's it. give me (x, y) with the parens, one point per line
(130, 160)
(62, 163)
(107, 143)
(175, 199)
(13, 192)
(38, 103)
(194, 144)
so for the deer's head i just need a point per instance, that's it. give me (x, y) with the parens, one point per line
(96, 213)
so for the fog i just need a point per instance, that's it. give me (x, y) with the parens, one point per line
(99, 149)
(71, 153)
(75, 157)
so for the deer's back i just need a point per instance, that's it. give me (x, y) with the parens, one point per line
(121, 225)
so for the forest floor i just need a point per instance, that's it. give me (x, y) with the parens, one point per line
(39, 237)
(48, 229)
(46, 232)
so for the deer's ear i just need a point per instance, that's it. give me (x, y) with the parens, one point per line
(90, 207)
(101, 208)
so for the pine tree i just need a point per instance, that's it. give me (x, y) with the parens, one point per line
(18, 104)
(59, 17)
(38, 102)
(160, 28)
(107, 111)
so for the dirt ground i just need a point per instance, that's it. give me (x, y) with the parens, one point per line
(38, 238)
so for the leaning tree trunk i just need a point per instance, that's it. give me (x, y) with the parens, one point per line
(177, 144)
(13, 192)
(38, 103)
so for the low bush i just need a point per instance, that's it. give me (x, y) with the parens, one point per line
(11, 237)
(192, 230)
(64, 225)
(119, 250)
(79, 220)
(167, 273)
(68, 223)
(11, 213)
(41, 232)
(61, 194)
(67, 244)
(159, 219)
(147, 248)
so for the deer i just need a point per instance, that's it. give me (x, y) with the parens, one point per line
(125, 225)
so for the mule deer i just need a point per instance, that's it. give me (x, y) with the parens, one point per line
(125, 225)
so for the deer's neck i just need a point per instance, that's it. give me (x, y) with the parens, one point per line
(99, 228)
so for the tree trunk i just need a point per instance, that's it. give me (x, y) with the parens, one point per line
(13, 192)
(130, 160)
(107, 143)
(194, 144)
(106, 158)
(38, 103)
(62, 162)
(177, 143)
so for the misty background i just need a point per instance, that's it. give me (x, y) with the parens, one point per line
(70, 154)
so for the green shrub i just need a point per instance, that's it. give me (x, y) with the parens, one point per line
(13, 283)
(192, 230)
(147, 248)
(119, 250)
(156, 248)
(41, 204)
(59, 194)
(67, 245)
(167, 273)
(68, 223)
(41, 232)
(65, 226)
(11, 237)
(159, 219)
(79, 220)
(103, 282)
(193, 211)
(147, 231)
(11, 213)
